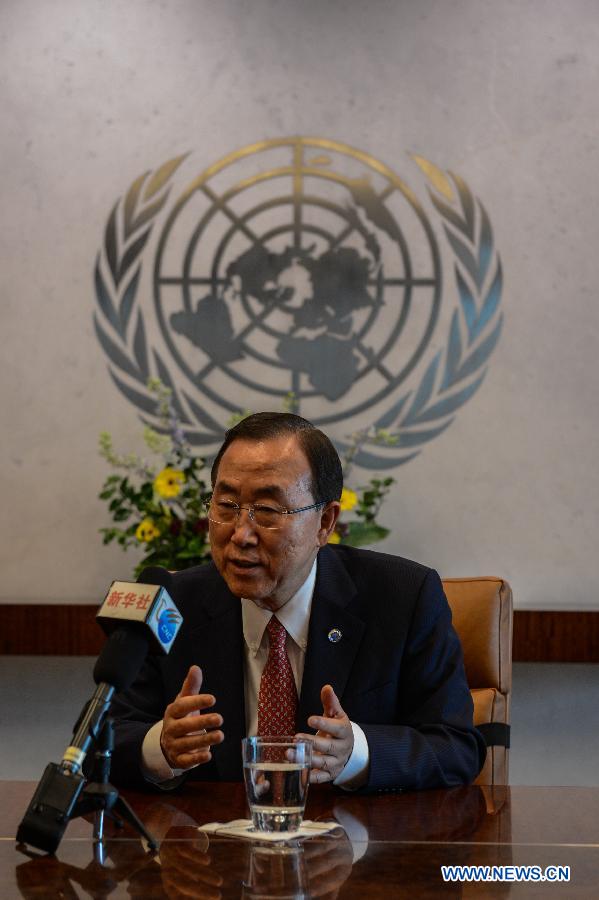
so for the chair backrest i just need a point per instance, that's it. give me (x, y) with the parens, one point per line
(482, 616)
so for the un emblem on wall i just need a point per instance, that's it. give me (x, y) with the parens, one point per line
(301, 267)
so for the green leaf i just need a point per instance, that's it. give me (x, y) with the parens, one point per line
(190, 553)
(363, 533)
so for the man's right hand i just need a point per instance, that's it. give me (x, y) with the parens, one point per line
(188, 732)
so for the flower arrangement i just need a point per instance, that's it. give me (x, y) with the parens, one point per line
(366, 501)
(158, 505)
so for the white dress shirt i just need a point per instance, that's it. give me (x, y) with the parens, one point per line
(295, 617)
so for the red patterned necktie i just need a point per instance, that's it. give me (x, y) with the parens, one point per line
(277, 700)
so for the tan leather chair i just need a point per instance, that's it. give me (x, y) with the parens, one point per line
(482, 616)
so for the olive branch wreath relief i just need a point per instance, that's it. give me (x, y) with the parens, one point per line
(456, 371)
(120, 331)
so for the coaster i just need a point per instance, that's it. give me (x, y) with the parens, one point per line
(243, 828)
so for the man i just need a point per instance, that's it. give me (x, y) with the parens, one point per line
(367, 658)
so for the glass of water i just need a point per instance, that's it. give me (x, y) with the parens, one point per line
(276, 772)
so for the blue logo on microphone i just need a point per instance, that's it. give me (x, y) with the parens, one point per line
(168, 624)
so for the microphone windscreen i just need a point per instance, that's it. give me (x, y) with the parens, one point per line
(122, 657)
(156, 575)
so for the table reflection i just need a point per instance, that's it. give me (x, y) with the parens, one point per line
(276, 872)
(121, 862)
(390, 835)
(202, 866)
(449, 815)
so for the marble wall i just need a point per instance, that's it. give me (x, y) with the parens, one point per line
(502, 93)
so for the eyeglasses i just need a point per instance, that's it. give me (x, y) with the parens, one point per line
(263, 515)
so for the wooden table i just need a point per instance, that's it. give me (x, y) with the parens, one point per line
(396, 846)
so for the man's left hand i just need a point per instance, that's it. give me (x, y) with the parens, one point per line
(334, 740)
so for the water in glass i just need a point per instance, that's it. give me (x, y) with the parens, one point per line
(276, 773)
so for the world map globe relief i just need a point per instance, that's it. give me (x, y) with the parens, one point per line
(296, 275)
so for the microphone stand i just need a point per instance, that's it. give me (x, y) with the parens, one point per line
(103, 798)
(101, 776)
(62, 796)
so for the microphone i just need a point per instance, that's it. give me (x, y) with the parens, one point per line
(137, 617)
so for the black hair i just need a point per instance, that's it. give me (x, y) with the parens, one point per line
(325, 465)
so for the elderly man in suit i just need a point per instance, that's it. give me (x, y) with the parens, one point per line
(285, 633)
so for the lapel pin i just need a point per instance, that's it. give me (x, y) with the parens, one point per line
(334, 635)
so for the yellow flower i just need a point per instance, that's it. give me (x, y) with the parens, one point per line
(335, 538)
(146, 531)
(348, 499)
(168, 482)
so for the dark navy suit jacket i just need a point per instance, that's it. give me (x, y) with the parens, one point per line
(397, 670)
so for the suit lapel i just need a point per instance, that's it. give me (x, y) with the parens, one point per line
(329, 662)
(221, 640)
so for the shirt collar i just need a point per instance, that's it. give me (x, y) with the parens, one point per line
(294, 616)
